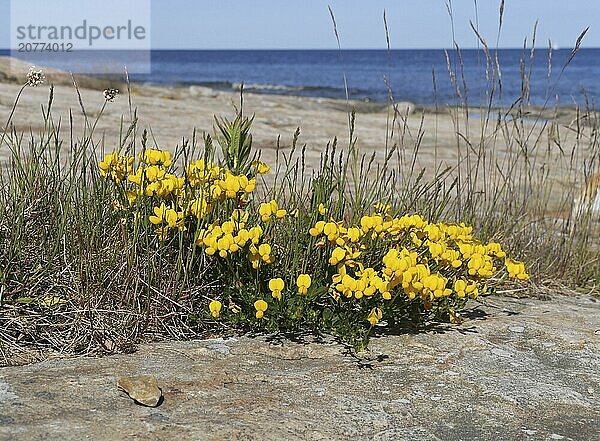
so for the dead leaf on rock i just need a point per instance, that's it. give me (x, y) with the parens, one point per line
(142, 389)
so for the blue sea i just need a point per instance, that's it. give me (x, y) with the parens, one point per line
(409, 74)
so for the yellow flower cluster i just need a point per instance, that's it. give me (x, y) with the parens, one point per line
(276, 286)
(157, 157)
(230, 186)
(270, 209)
(516, 269)
(194, 194)
(232, 236)
(375, 261)
(199, 173)
(116, 166)
(424, 260)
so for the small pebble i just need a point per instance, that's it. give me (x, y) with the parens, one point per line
(556, 436)
(142, 389)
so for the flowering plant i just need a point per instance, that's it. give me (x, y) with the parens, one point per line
(306, 265)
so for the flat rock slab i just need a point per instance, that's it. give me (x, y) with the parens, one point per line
(515, 369)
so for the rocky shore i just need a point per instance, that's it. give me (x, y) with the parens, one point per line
(516, 369)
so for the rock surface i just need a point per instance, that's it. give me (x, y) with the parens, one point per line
(515, 369)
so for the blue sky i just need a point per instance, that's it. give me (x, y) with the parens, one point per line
(305, 24)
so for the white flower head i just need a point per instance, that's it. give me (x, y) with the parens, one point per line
(35, 77)
(110, 94)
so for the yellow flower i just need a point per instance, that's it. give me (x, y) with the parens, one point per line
(226, 244)
(157, 157)
(460, 287)
(374, 316)
(255, 233)
(216, 192)
(215, 308)
(337, 256)
(354, 234)
(374, 222)
(264, 251)
(105, 164)
(271, 208)
(261, 167)
(276, 286)
(250, 186)
(347, 285)
(495, 249)
(260, 306)
(200, 207)
(242, 237)
(381, 208)
(136, 177)
(159, 214)
(154, 173)
(303, 283)
(331, 230)
(231, 185)
(116, 166)
(246, 185)
(172, 218)
(516, 269)
(322, 209)
(265, 211)
(317, 229)
(436, 284)
(228, 227)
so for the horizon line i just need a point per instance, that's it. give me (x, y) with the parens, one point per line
(8, 49)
